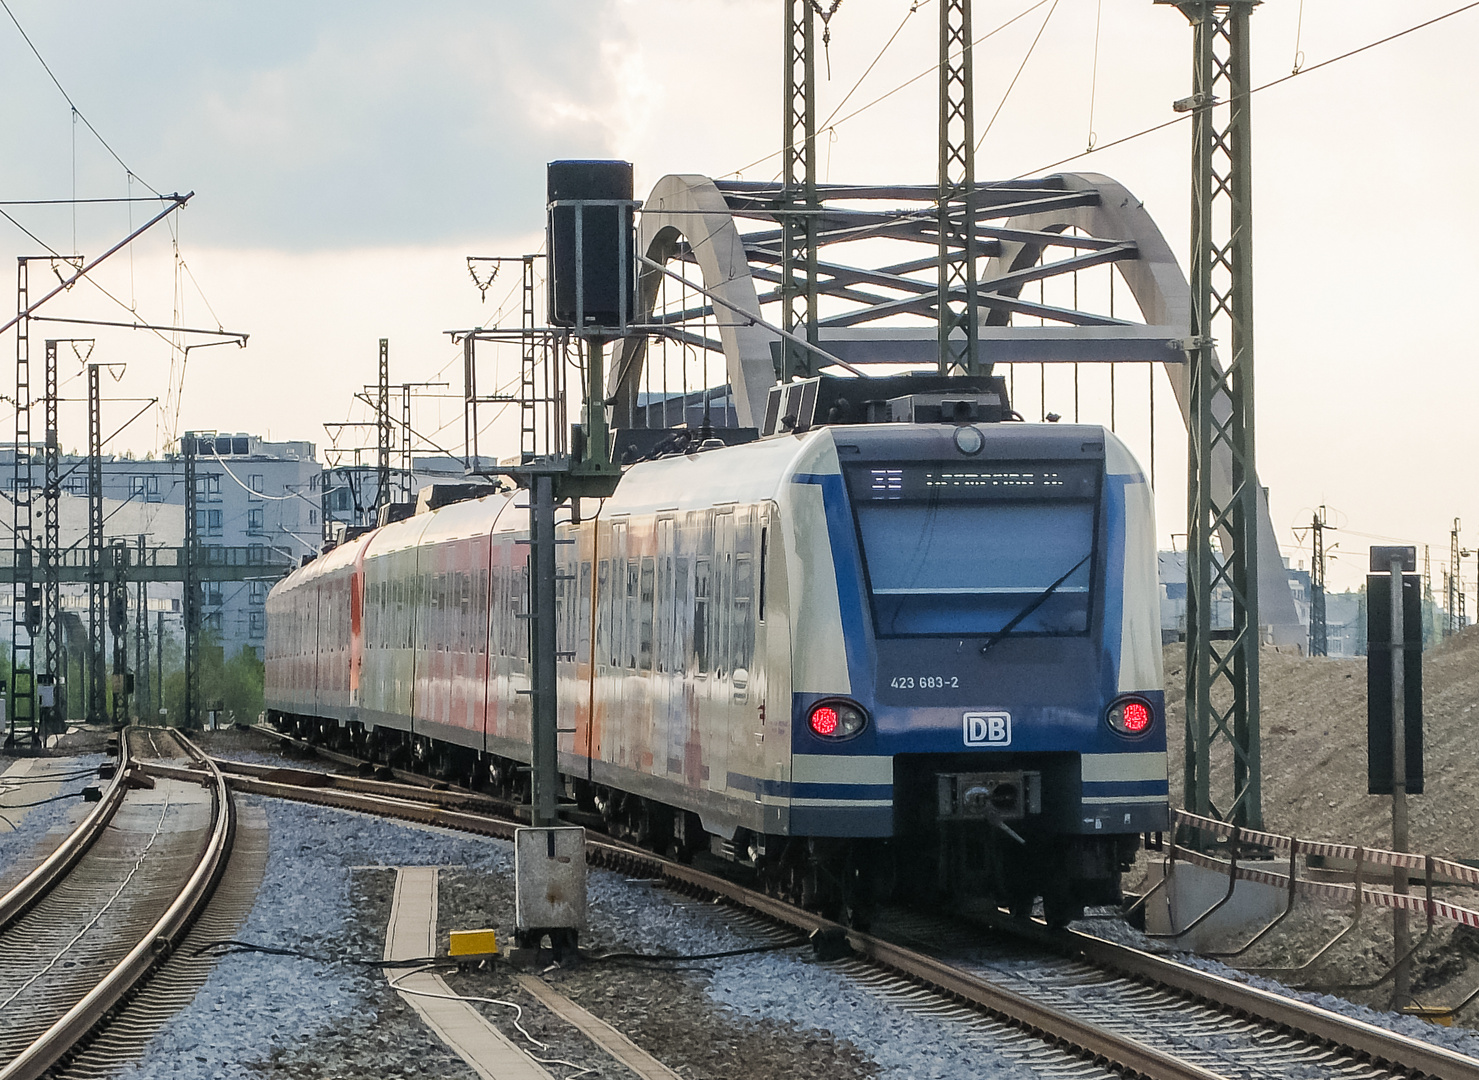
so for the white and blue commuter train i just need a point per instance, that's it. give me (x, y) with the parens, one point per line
(863, 658)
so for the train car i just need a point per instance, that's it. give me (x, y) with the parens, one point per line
(862, 658)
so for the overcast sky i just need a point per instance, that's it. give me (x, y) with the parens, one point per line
(347, 156)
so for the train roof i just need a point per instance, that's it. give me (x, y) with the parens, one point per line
(746, 473)
(757, 471)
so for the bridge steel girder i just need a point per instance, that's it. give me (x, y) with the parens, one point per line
(1163, 294)
(691, 208)
(690, 218)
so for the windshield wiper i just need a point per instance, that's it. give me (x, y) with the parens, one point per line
(1036, 602)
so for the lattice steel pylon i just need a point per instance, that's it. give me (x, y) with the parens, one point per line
(528, 365)
(97, 590)
(407, 480)
(118, 627)
(23, 729)
(55, 663)
(1222, 710)
(958, 298)
(143, 685)
(383, 428)
(1319, 629)
(1455, 598)
(798, 197)
(190, 584)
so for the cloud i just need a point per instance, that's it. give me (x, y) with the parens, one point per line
(311, 126)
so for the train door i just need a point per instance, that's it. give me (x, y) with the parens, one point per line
(666, 685)
(718, 724)
(356, 632)
(746, 736)
(770, 684)
(611, 643)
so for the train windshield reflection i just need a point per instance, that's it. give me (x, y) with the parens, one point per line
(969, 568)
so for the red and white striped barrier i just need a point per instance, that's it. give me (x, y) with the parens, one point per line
(1431, 868)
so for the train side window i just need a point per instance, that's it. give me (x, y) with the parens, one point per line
(440, 620)
(583, 617)
(521, 626)
(605, 650)
(723, 592)
(665, 654)
(480, 606)
(495, 611)
(682, 616)
(743, 635)
(633, 614)
(464, 593)
(701, 615)
(618, 612)
(645, 614)
(764, 551)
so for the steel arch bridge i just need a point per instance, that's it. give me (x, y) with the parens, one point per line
(878, 293)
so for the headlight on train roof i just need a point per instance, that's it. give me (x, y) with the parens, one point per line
(1130, 717)
(837, 719)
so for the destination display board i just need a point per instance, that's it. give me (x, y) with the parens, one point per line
(954, 481)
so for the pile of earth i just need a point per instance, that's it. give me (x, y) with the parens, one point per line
(1314, 748)
(1314, 787)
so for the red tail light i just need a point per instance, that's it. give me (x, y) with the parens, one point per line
(836, 719)
(1130, 716)
(824, 720)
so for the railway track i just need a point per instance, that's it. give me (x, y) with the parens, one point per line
(1113, 1006)
(82, 933)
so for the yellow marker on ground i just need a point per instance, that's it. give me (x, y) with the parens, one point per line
(473, 943)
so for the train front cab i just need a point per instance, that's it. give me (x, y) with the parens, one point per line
(998, 621)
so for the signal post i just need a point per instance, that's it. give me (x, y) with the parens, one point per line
(590, 240)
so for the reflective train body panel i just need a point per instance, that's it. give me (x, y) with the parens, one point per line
(983, 610)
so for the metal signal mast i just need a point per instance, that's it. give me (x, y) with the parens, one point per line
(1319, 631)
(1221, 676)
(798, 203)
(958, 300)
(383, 429)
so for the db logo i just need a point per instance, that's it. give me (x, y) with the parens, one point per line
(988, 729)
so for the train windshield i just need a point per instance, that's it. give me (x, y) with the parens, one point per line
(981, 552)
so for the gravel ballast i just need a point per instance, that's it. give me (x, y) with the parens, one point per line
(25, 827)
(327, 891)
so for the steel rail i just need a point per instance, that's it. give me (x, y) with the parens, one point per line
(403, 775)
(40, 881)
(53, 1044)
(1376, 1043)
(1097, 1043)
(453, 797)
(1323, 1026)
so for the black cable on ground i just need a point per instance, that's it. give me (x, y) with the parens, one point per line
(227, 947)
(43, 802)
(60, 778)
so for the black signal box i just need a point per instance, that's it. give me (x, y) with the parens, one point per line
(1379, 682)
(591, 237)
